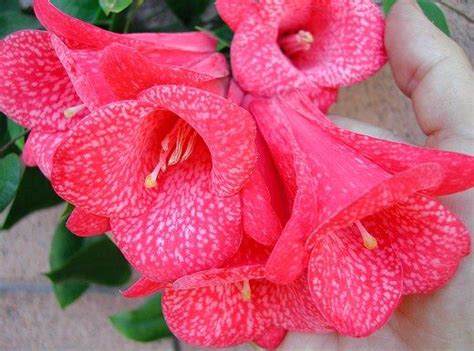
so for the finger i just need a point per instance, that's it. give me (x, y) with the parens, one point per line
(434, 71)
(365, 128)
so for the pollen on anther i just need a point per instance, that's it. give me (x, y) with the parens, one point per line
(368, 240)
(150, 181)
(246, 292)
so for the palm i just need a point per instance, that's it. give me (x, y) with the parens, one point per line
(440, 321)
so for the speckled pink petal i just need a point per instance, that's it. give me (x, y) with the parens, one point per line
(246, 308)
(187, 228)
(67, 28)
(271, 338)
(40, 148)
(101, 167)
(128, 73)
(258, 216)
(258, 64)
(83, 223)
(219, 276)
(227, 129)
(395, 157)
(84, 71)
(348, 42)
(143, 287)
(217, 316)
(355, 289)
(429, 240)
(396, 189)
(233, 12)
(35, 87)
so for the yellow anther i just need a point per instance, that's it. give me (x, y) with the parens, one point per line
(369, 241)
(306, 37)
(74, 110)
(150, 181)
(246, 291)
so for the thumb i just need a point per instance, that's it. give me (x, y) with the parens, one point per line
(435, 73)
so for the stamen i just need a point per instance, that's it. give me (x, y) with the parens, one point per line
(369, 241)
(172, 147)
(295, 43)
(74, 110)
(246, 291)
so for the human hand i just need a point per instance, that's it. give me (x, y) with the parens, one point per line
(435, 73)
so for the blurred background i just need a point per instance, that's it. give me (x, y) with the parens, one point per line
(30, 317)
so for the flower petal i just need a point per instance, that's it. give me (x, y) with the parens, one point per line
(219, 276)
(35, 87)
(82, 67)
(143, 287)
(187, 228)
(258, 63)
(40, 148)
(87, 224)
(67, 28)
(395, 157)
(258, 216)
(429, 240)
(102, 165)
(216, 316)
(396, 189)
(129, 73)
(348, 42)
(227, 129)
(355, 289)
(271, 338)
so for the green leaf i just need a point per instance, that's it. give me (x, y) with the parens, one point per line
(34, 193)
(64, 245)
(10, 171)
(12, 21)
(97, 261)
(86, 10)
(188, 11)
(435, 15)
(15, 130)
(146, 323)
(430, 9)
(114, 6)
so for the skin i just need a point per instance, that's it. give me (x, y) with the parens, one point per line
(435, 73)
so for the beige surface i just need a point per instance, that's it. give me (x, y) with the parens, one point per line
(30, 319)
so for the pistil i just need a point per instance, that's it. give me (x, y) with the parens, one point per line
(176, 147)
(369, 241)
(296, 43)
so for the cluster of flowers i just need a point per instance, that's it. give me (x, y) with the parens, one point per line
(297, 225)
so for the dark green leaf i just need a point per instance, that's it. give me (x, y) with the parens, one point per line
(430, 9)
(86, 10)
(97, 261)
(15, 130)
(11, 21)
(435, 15)
(187, 11)
(10, 171)
(115, 6)
(34, 193)
(224, 34)
(63, 247)
(146, 323)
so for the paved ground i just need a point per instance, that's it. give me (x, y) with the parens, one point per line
(30, 319)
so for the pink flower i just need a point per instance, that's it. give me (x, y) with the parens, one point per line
(49, 85)
(234, 304)
(363, 221)
(314, 46)
(166, 168)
